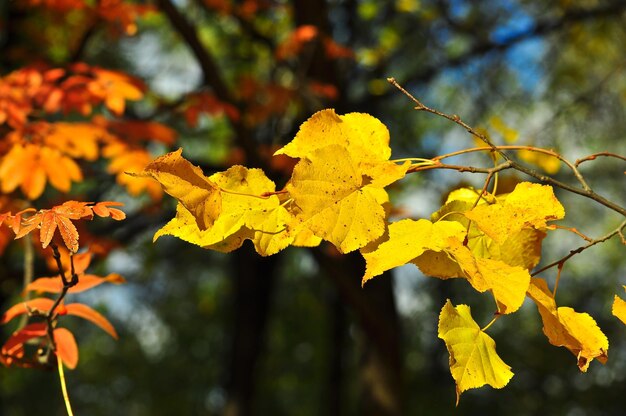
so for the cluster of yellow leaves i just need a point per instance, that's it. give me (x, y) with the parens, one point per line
(35, 152)
(337, 193)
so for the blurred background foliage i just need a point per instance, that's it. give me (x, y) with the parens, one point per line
(210, 333)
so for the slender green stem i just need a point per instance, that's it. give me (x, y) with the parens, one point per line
(66, 397)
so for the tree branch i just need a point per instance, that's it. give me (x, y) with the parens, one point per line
(585, 191)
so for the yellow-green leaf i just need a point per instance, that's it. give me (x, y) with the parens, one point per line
(473, 358)
(564, 327)
(186, 182)
(407, 240)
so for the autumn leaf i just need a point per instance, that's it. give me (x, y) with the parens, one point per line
(245, 215)
(186, 182)
(365, 137)
(85, 312)
(126, 163)
(114, 88)
(508, 284)
(85, 282)
(564, 327)
(473, 358)
(66, 347)
(104, 209)
(13, 348)
(407, 240)
(619, 308)
(37, 305)
(521, 249)
(529, 205)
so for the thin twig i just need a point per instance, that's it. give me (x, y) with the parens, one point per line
(617, 231)
(595, 155)
(585, 191)
(29, 260)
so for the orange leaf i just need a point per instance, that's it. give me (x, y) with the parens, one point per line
(41, 305)
(67, 350)
(85, 282)
(14, 347)
(85, 312)
(102, 210)
(48, 227)
(68, 233)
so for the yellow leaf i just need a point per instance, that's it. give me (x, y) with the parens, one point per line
(548, 163)
(338, 183)
(518, 249)
(619, 308)
(362, 134)
(186, 182)
(508, 284)
(407, 240)
(328, 188)
(564, 327)
(473, 358)
(245, 216)
(508, 134)
(522, 249)
(528, 206)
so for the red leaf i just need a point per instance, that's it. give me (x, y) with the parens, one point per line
(67, 350)
(42, 305)
(14, 347)
(85, 312)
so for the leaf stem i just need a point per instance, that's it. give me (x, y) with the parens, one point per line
(66, 397)
(495, 318)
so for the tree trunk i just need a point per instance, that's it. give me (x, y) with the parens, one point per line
(254, 279)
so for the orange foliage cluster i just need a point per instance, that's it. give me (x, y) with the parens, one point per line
(66, 263)
(119, 12)
(245, 9)
(60, 218)
(34, 152)
(302, 35)
(204, 102)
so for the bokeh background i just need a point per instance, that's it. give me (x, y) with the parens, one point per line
(295, 334)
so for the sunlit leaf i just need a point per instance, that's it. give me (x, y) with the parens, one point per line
(67, 350)
(564, 327)
(85, 282)
(473, 358)
(619, 308)
(407, 240)
(187, 183)
(37, 305)
(529, 205)
(85, 312)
